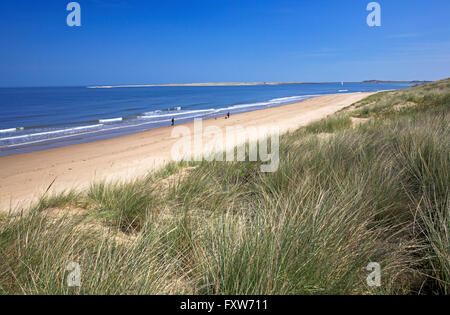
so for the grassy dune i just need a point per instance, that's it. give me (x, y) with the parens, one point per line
(368, 184)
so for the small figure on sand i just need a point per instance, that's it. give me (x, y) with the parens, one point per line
(173, 121)
(228, 115)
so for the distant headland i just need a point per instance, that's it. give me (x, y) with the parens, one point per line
(412, 82)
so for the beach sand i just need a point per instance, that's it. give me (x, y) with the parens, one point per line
(25, 177)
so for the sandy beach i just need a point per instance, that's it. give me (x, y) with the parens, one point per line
(24, 177)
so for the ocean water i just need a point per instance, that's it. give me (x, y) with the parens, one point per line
(41, 118)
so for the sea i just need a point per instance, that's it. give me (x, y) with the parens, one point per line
(41, 118)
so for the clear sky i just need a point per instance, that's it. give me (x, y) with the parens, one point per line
(181, 41)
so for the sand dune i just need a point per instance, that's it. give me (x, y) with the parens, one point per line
(24, 177)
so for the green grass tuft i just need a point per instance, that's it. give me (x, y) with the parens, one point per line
(330, 124)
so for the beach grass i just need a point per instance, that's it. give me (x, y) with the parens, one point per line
(330, 124)
(345, 195)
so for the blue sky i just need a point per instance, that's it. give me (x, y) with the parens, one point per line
(181, 41)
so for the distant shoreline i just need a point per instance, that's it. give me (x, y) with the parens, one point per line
(193, 84)
(238, 84)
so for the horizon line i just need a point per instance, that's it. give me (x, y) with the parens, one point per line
(212, 84)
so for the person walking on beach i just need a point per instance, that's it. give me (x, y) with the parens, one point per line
(173, 121)
(228, 115)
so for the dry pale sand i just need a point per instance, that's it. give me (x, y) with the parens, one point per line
(24, 177)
